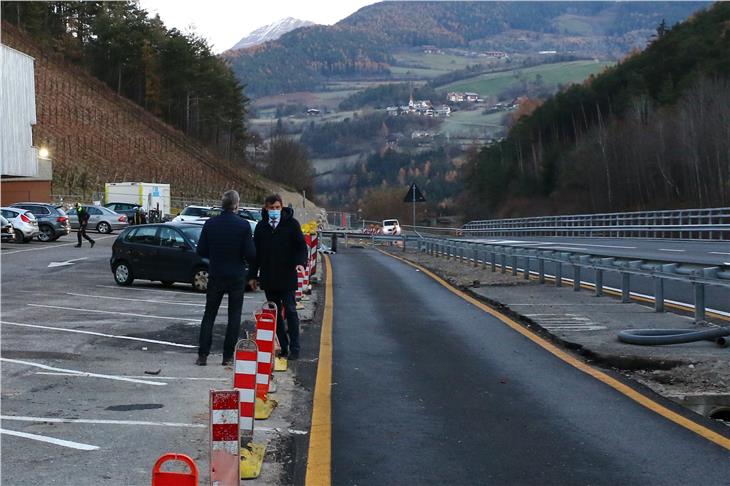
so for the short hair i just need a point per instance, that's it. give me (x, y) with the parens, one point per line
(230, 200)
(272, 199)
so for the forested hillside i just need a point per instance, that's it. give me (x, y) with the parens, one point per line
(360, 45)
(652, 132)
(170, 74)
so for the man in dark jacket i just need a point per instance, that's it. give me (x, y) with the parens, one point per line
(281, 252)
(226, 241)
(83, 215)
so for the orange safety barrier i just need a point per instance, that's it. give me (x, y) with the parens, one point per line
(167, 478)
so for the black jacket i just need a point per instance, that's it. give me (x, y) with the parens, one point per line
(279, 251)
(226, 241)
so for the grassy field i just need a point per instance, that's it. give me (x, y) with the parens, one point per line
(471, 123)
(552, 75)
(420, 64)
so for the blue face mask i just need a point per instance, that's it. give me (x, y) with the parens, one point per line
(275, 214)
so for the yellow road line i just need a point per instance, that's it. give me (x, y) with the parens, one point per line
(319, 463)
(617, 385)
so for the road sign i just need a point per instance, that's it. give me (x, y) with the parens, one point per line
(414, 195)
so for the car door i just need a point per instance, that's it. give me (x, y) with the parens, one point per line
(175, 257)
(143, 244)
(95, 217)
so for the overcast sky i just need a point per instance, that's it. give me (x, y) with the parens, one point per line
(225, 22)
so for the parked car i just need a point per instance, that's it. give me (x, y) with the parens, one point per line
(243, 213)
(127, 209)
(8, 233)
(192, 213)
(254, 212)
(391, 227)
(164, 252)
(24, 223)
(101, 219)
(52, 220)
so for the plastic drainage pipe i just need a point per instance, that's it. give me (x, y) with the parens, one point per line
(654, 337)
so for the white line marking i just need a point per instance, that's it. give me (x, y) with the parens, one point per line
(135, 300)
(101, 334)
(51, 440)
(145, 377)
(146, 316)
(83, 373)
(719, 253)
(570, 248)
(669, 249)
(66, 263)
(56, 420)
(158, 291)
(50, 247)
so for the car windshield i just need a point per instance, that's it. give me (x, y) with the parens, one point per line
(390, 222)
(255, 213)
(189, 211)
(193, 233)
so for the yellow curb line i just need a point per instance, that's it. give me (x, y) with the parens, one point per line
(617, 385)
(319, 462)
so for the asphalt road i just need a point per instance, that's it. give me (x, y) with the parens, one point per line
(703, 253)
(428, 389)
(710, 253)
(76, 355)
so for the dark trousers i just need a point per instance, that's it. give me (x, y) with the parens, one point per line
(234, 287)
(82, 232)
(288, 333)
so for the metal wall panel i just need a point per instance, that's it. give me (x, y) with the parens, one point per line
(18, 157)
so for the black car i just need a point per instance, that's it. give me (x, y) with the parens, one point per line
(164, 252)
(53, 222)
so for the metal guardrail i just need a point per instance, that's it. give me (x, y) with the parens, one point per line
(510, 256)
(713, 224)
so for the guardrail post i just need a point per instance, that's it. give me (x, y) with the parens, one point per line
(699, 302)
(576, 278)
(484, 257)
(599, 283)
(404, 244)
(658, 294)
(540, 270)
(514, 264)
(503, 266)
(526, 274)
(558, 274)
(625, 287)
(493, 261)
(475, 252)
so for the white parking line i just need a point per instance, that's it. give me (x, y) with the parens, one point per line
(135, 300)
(669, 249)
(51, 440)
(80, 309)
(83, 373)
(101, 334)
(719, 253)
(159, 291)
(56, 420)
(51, 246)
(146, 377)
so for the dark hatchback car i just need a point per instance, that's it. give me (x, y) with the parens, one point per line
(164, 252)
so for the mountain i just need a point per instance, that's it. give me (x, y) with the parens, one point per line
(649, 133)
(362, 44)
(271, 32)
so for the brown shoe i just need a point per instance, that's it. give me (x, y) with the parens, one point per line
(202, 360)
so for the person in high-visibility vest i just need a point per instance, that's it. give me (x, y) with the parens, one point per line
(83, 215)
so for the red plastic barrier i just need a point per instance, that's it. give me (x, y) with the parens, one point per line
(166, 478)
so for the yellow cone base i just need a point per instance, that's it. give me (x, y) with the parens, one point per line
(264, 408)
(252, 457)
(305, 298)
(281, 364)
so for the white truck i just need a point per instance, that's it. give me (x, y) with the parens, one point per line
(146, 194)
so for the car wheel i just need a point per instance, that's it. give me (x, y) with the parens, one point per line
(123, 274)
(168, 284)
(104, 227)
(46, 233)
(200, 279)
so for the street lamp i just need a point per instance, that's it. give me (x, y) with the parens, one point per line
(43, 153)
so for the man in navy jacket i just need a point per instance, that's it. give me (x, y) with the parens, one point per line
(226, 241)
(281, 252)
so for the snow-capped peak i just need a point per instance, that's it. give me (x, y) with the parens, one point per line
(271, 32)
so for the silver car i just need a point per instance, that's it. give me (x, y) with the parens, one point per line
(101, 219)
(24, 223)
